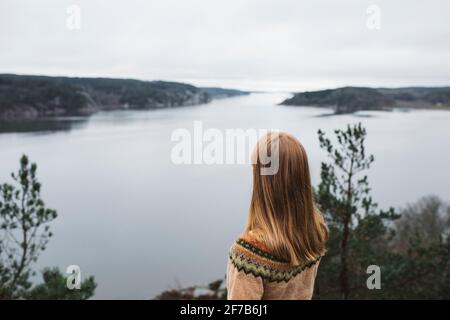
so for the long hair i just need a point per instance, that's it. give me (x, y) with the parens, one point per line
(282, 210)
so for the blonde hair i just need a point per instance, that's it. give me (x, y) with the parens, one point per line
(282, 210)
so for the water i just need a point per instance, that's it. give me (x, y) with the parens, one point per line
(141, 224)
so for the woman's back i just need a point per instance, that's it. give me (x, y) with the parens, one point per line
(254, 273)
(278, 255)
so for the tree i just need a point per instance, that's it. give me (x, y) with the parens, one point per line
(426, 221)
(24, 225)
(54, 288)
(422, 245)
(24, 232)
(358, 231)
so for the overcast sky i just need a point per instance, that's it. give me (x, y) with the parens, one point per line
(250, 44)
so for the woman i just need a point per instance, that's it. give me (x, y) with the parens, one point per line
(278, 254)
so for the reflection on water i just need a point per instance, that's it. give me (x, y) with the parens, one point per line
(141, 224)
(43, 125)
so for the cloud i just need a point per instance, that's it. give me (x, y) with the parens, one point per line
(254, 44)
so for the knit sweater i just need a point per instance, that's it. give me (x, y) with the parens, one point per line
(253, 273)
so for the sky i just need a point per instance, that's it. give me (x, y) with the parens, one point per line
(288, 45)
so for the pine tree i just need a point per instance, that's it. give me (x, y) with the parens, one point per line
(358, 231)
(24, 233)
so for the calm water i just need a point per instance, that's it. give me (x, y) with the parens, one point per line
(141, 224)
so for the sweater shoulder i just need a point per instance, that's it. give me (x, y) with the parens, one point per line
(251, 256)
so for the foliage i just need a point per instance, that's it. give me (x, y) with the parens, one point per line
(358, 230)
(24, 234)
(24, 225)
(408, 250)
(422, 248)
(54, 288)
(213, 291)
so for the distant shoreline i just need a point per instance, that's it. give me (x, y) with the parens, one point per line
(29, 98)
(351, 99)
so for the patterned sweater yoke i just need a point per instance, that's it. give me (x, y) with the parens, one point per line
(251, 256)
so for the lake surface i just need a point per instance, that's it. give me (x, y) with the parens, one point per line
(141, 224)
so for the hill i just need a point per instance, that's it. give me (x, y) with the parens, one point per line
(219, 93)
(352, 99)
(30, 97)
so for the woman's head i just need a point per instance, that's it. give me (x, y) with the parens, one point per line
(282, 209)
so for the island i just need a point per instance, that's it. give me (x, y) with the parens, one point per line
(352, 99)
(24, 97)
